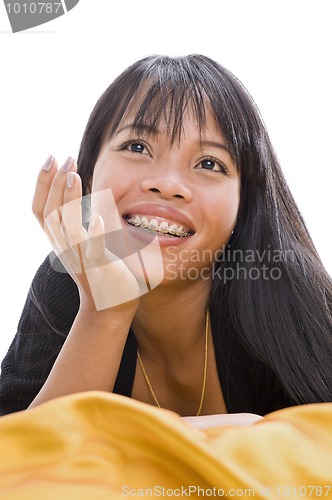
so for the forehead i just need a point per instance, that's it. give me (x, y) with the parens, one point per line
(189, 128)
(170, 112)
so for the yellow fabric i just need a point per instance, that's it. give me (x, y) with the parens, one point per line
(99, 446)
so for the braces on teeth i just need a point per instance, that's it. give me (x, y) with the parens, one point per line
(163, 227)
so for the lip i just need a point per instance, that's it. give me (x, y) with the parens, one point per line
(166, 212)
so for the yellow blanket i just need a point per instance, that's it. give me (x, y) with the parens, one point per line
(102, 446)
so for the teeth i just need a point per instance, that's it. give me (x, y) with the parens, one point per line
(136, 221)
(163, 227)
(172, 229)
(153, 224)
(144, 222)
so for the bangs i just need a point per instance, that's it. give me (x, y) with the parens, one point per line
(160, 91)
(164, 93)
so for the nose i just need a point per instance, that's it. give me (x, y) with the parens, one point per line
(169, 182)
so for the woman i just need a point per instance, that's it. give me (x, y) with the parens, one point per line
(240, 321)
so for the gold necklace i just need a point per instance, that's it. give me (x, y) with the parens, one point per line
(204, 373)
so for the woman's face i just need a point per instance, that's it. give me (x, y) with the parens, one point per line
(184, 196)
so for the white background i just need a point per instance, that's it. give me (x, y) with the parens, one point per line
(52, 75)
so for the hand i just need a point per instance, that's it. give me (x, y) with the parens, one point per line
(103, 279)
(205, 421)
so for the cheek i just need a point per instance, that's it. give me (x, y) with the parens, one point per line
(224, 209)
(102, 177)
(106, 177)
(105, 196)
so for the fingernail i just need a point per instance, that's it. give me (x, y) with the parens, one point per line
(67, 164)
(94, 221)
(70, 179)
(48, 163)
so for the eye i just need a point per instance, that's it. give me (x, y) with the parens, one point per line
(212, 164)
(135, 147)
(208, 164)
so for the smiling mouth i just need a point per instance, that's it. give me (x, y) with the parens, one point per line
(159, 225)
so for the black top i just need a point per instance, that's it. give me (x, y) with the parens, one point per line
(47, 317)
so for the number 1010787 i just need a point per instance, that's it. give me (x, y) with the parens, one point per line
(33, 8)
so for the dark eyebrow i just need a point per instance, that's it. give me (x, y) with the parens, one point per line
(214, 144)
(140, 127)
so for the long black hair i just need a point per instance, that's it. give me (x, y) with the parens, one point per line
(270, 287)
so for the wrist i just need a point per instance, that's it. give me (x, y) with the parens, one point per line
(122, 314)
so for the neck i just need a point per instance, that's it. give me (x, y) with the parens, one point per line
(170, 323)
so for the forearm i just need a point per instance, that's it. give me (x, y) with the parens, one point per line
(90, 357)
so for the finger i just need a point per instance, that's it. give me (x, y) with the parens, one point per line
(65, 226)
(95, 250)
(53, 229)
(71, 211)
(51, 215)
(69, 254)
(103, 203)
(55, 198)
(43, 185)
